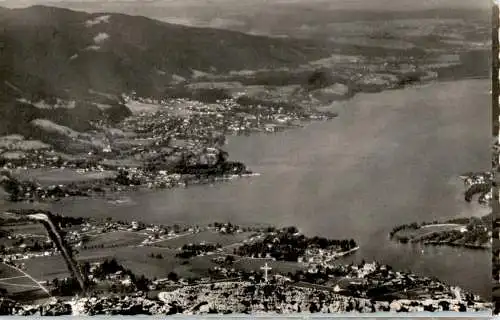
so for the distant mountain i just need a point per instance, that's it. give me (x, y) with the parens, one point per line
(51, 49)
(71, 67)
(279, 17)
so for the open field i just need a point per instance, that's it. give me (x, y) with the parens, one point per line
(135, 258)
(139, 107)
(200, 264)
(121, 246)
(18, 285)
(138, 260)
(114, 239)
(32, 229)
(128, 162)
(7, 271)
(46, 268)
(250, 264)
(204, 236)
(426, 230)
(61, 176)
(30, 296)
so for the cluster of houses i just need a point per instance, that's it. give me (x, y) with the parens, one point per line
(39, 246)
(198, 119)
(479, 183)
(477, 178)
(314, 257)
(279, 295)
(15, 257)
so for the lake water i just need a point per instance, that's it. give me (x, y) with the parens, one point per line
(389, 158)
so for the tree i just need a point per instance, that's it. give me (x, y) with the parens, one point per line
(313, 307)
(66, 287)
(122, 178)
(318, 79)
(12, 187)
(445, 305)
(86, 269)
(176, 228)
(221, 157)
(229, 260)
(352, 243)
(172, 276)
(36, 246)
(291, 230)
(142, 283)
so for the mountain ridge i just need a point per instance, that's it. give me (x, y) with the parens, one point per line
(127, 44)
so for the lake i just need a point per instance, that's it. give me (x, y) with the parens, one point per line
(389, 158)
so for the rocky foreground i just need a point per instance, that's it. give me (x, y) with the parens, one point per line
(237, 297)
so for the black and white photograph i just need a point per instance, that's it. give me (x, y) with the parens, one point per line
(249, 158)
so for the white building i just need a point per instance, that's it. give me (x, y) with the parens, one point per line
(135, 225)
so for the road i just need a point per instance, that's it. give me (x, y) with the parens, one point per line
(29, 277)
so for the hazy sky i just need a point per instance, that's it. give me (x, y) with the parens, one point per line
(340, 4)
(236, 14)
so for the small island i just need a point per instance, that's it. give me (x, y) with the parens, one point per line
(468, 232)
(474, 233)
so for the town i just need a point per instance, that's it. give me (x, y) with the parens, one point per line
(176, 138)
(219, 268)
(125, 116)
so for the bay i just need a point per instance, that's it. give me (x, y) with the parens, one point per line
(389, 158)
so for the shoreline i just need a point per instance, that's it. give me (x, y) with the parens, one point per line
(209, 179)
(452, 229)
(174, 211)
(369, 272)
